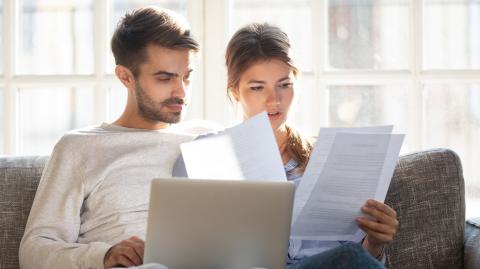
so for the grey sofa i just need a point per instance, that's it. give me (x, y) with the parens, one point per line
(427, 191)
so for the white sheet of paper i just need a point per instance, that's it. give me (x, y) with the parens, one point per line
(318, 157)
(358, 167)
(246, 151)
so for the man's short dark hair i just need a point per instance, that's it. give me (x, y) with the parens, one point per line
(145, 26)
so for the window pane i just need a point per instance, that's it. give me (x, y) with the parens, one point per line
(118, 9)
(2, 128)
(55, 37)
(452, 120)
(47, 114)
(452, 34)
(302, 112)
(371, 34)
(117, 99)
(293, 17)
(370, 105)
(1, 37)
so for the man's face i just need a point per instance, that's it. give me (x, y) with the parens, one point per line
(162, 84)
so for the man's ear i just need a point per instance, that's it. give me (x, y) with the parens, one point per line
(125, 76)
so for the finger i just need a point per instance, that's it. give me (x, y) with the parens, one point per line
(380, 216)
(136, 239)
(108, 261)
(375, 226)
(379, 237)
(382, 207)
(132, 255)
(124, 261)
(139, 248)
(139, 245)
(376, 214)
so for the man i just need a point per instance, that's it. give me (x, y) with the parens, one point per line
(90, 208)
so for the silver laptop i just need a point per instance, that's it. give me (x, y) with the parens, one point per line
(218, 224)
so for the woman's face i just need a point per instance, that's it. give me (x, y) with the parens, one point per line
(266, 86)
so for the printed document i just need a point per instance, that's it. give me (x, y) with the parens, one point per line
(246, 151)
(319, 155)
(357, 166)
(347, 167)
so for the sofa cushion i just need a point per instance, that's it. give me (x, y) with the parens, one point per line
(472, 243)
(427, 191)
(19, 178)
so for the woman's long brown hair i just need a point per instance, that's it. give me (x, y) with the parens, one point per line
(260, 42)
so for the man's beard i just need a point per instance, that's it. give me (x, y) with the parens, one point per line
(157, 112)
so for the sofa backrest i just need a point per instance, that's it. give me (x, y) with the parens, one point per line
(427, 191)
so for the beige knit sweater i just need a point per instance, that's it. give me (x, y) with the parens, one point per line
(94, 192)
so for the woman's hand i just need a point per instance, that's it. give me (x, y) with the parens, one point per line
(381, 225)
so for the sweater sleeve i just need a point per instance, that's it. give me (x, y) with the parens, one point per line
(52, 230)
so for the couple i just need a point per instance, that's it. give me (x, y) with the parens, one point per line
(90, 209)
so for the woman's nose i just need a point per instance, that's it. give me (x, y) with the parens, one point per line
(273, 98)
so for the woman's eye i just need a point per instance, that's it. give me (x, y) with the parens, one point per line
(257, 88)
(286, 85)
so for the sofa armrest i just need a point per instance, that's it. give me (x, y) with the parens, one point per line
(427, 191)
(472, 244)
(19, 177)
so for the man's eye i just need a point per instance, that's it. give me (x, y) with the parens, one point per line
(165, 78)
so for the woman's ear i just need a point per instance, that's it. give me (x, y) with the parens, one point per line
(235, 94)
(125, 76)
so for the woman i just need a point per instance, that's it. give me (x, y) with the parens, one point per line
(261, 77)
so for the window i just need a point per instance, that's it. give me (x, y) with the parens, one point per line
(288, 15)
(1, 37)
(371, 35)
(414, 64)
(1, 123)
(47, 113)
(386, 62)
(2, 109)
(55, 37)
(452, 119)
(369, 105)
(451, 34)
(55, 72)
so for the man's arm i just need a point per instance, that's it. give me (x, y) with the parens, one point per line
(53, 225)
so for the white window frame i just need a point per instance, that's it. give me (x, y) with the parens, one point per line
(210, 23)
(217, 14)
(100, 80)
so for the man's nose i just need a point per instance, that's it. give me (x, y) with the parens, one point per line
(180, 89)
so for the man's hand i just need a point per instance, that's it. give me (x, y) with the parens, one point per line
(381, 226)
(126, 253)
